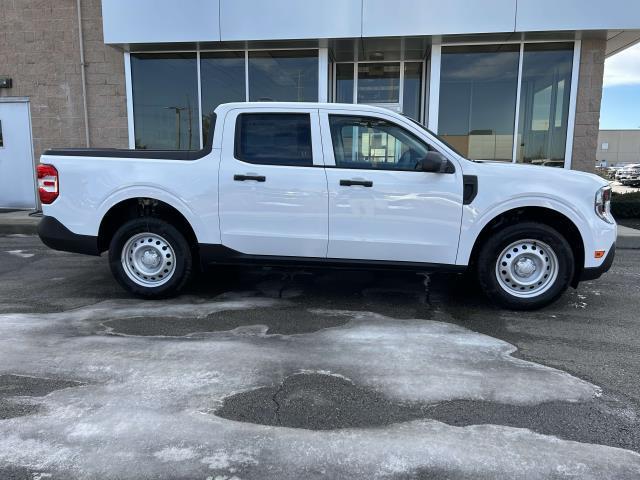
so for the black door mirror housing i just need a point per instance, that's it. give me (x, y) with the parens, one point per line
(435, 162)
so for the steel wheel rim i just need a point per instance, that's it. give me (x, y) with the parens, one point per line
(148, 260)
(527, 268)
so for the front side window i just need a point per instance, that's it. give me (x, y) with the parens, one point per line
(274, 139)
(372, 143)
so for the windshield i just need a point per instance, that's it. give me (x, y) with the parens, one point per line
(451, 147)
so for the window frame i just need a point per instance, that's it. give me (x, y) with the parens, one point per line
(408, 132)
(238, 133)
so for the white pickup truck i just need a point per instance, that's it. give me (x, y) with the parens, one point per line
(327, 185)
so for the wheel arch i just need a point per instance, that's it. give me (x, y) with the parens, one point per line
(548, 216)
(122, 211)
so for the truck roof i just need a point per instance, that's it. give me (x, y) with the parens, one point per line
(225, 107)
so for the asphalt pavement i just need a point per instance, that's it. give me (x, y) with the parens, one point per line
(260, 374)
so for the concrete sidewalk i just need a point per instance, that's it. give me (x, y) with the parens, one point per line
(20, 222)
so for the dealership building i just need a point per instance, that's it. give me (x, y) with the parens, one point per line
(505, 80)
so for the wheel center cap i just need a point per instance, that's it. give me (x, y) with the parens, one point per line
(150, 258)
(525, 267)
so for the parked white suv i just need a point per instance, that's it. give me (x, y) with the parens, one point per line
(630, 175)
(327, 185)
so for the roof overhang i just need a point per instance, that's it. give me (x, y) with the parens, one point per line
(145, 22)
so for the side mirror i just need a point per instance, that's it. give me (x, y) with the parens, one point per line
(435, 162)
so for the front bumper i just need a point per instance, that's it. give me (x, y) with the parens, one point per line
(596, 272)
(55, 235)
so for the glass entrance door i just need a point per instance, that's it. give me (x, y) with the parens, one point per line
(397, 86)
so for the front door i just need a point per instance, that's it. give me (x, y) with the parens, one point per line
(17, 184)
(380, 206)
(273, 189)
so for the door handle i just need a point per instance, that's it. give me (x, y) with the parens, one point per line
(352, 183)
(255, 178)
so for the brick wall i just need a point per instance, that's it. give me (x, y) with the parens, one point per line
(585, 137)
(39, 50)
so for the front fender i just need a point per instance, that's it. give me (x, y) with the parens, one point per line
(475, 219)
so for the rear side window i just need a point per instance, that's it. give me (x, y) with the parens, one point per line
(274, 139)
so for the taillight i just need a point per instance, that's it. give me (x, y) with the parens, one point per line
(48, 185)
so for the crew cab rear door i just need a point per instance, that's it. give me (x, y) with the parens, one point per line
(380, 207)
(272, 187)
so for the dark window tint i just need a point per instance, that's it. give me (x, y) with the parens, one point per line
(165, 101)
(274, 139)
(1, 139)
(223, 81)
(283, 76)
(371, 143)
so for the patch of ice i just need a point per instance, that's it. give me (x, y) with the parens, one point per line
(20, 253)
(174, 454)
(223, 460)
(142, 395)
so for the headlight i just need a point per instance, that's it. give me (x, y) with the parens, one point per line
(603, 204)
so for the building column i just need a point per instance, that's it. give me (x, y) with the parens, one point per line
(587, 124)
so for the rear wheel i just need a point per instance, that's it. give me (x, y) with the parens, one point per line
(525, 266)
(150, 258)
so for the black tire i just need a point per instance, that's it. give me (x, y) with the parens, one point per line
(181, 260)
(491, 253)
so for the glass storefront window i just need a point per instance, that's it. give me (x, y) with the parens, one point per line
(344, 82)
(544, 103)
(165, 101)
(412, 94)
(283, 76)
(379, 83)
(223, 81)
(478, 92)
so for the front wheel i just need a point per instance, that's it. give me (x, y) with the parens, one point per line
(150, 258)
(525, 266)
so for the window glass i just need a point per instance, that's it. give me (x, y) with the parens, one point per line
(412, 95)
(544, 103)
(362, 142)
(274, 139)
(223, 81)
(378, 82)
(165, 101)
(283, 76)
(344, 82)
(478, 91)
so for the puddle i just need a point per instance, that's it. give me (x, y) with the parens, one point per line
(317, 402)
(284, 321)
(25, 386)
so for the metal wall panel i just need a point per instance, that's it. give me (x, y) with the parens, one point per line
(549, 15)
(290, 19)
(435, 17)
(160, 21)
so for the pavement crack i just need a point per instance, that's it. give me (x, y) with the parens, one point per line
(274, 398)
